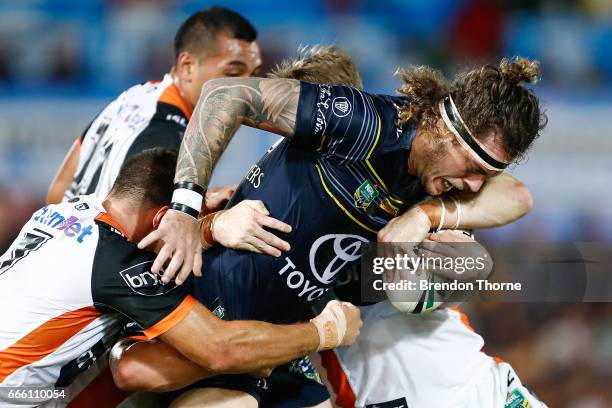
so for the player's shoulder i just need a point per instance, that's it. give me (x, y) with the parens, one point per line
(130, 111)
(340, 98)
(115, 253)
(149, 90)
(113, 245)
(73, 218)
(145, 98)
(167, 115)
(170, 108)
(391, 102)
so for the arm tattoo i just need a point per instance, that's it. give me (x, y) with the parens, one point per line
(225, 104)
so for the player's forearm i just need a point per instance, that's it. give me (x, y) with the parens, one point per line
(239, 346)
(502, 200)
(225, 104)
(152, 366)
(247, 346)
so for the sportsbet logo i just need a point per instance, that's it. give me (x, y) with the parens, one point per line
(141, 280)
(69, 226)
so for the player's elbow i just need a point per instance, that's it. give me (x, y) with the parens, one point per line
(218, 358)
(130, 373)
(126, 375)
(523, 198)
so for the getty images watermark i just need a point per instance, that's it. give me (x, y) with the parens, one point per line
(467, 271)
(412, 272)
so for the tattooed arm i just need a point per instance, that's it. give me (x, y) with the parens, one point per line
(224, 105)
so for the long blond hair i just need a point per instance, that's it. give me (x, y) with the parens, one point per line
(320, 64)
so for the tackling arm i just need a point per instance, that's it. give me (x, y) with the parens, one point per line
(203, 345)
(152, 366)
(231, 347)
(224, 105)
(502, 200)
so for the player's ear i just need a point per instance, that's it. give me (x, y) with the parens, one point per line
(185, 65)
(159, 215)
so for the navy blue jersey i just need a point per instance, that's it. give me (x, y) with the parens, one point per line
(337, 181)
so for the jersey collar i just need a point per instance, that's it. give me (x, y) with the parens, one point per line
(107, 219)
(172, 96)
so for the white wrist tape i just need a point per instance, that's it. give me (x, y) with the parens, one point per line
(458, 209)
(331, 325)
(187, 197)
(442, 215)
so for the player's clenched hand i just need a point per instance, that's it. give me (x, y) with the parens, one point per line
(455, 244)
(181, 246)
(410, 229)
(411, 226)
(217, 198)
(242, 227)
(338, 325)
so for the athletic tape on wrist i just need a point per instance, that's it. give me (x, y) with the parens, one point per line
(458, 210)
(187, 197)
(207, 226)
(331, 325)
(442, 215)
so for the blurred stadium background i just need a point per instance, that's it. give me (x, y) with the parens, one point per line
(61, 61)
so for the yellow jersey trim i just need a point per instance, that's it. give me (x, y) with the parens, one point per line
(362, 225)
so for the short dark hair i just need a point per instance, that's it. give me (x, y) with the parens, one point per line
(147, 177)
(201, 29)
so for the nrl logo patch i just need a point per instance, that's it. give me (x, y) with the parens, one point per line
(341, 106)
(364, 195)
(517, 400)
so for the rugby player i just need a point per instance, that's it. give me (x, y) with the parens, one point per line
(361, 149)
(429, 360)
(212, 43)
(73, 276)
(426, 361)
(327, 234)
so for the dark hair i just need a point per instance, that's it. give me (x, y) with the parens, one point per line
(322, 65)
(488, 99)
(201, 29)
(147, 177)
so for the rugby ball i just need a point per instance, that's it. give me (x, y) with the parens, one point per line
(424, 297)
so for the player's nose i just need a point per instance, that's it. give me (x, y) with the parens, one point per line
(474, 182)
